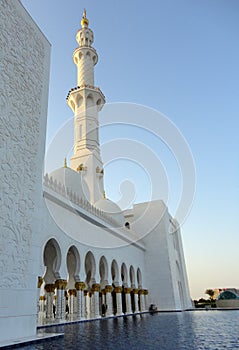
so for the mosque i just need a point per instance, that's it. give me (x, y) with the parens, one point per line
(67, 252)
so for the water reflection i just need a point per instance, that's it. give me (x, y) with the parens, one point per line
(165, 331)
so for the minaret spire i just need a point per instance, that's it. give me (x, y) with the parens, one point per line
(84, 21)
(86, 101)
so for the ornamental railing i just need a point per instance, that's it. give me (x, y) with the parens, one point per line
(73, 197)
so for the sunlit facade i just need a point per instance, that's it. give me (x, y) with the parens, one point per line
(71, 253)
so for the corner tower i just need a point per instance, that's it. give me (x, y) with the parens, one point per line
(86, 101)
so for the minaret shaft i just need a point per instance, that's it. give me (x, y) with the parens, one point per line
(86, 101)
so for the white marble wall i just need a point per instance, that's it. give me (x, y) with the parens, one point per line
(24, 71)
(164, 264)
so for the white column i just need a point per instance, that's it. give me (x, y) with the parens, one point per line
(118, 291)
(71, 301)
(41, 313)
(82, 299)
(97, 304)
(80, 308)
(87, 304)
(92, 305)
(141, 299)
(62, 303)
(49, 300)
(78, 303)
(75, 305)
(95, 289)
(108, 300)
(39, 284)
(136, 299)
(60, 298)
(127, 300)
(42, 300)
(146, 304)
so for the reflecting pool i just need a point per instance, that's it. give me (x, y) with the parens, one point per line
(164, 331)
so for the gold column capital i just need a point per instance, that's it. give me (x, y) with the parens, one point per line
(118, 289)
(108, 288)
(146, 292)
(80, 285)
(95, 287)
(50, 288)
(42, 297)
(135, 291)
(72, 292)
(127, 290)
(61, 284)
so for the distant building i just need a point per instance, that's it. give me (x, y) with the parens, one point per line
(217, 291)
(228, 298)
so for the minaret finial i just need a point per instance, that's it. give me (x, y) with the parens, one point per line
(65, 163)
(84, 22)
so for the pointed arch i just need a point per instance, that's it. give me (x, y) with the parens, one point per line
(139, 278)
(52, 260)
(115, 273)
(90, 268)
(89, 101)
(73, 266)
(124, 275)
(132, 276)
(103, 270)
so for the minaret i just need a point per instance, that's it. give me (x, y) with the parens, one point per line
(86, 101)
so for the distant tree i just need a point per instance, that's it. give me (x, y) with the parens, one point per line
(210, 292)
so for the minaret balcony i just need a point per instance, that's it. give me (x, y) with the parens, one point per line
(79, 93)
(85, 51)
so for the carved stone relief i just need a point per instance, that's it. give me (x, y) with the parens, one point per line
(21, 87)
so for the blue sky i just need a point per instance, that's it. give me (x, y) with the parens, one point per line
(179, 57)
